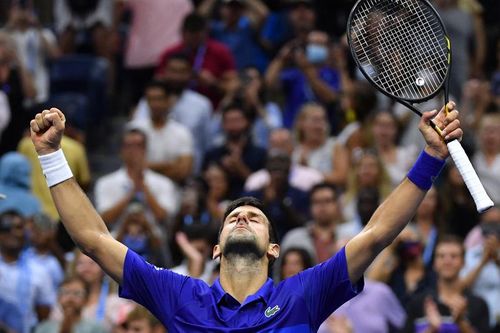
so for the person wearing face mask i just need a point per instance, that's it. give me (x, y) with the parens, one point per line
(304, 75)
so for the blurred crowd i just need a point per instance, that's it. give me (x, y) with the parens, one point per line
(224, 98)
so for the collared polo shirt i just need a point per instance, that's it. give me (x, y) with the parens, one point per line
(184, 304)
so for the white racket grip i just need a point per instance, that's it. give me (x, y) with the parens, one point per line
(469, 175)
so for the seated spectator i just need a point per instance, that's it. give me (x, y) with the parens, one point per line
(192, 109)
(445, 306)
(36, 45)
(317, 149)
(135, 182)
(487, 159)
(213, 64)
(294, 260)
(481, 272)
(308, 79)
(170, 144)
(23, 283)
(84, 26)
(73, 295)
(137, 234)
(15, 183)
(301, 177)
(238, 28)
(140, 320)
(286, 206)
(238, 156)
(44, 249)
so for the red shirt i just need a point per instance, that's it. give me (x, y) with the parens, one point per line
(215, 58)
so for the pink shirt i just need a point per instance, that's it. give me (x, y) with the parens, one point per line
(156, 26)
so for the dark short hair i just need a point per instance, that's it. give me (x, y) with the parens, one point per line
(194, 23)
(235, 105)
(179, 56)
(254, 202)
(167, 88)
(135, 130)
(324, 186)
(452, 239)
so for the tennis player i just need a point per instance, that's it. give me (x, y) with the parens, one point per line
(243, 299)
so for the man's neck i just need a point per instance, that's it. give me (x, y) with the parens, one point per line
(325, 229)
(241, 277)
(159, 122)
(9, 257)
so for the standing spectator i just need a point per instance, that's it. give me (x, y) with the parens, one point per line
(36, 46)
(238, 29)
(213, 64)
(155, 27)
(238, 155)
(446, 307)
(15, 183)
(316, 149)
(73, 294)
(23, 283)
(170, 144)
(192, 109)
(84, 26)
(309, 78)
(135, 182)
(487, 159)
(481, 273)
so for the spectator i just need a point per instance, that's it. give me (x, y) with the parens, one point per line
(481, 272)
(170, 144)
(15, 183)
(326, 232)
(446, 306)
(138, 234)
(286, 205)
(23, 283)
(238, 156)
(310, 78)
(239, 29)
(487, 159)
(77, 159)
(213, 64)
(140, 320)
(155, 26)
(192, 109)
(84, 26)
(301, 177)
(135, 182)
(294, 260)
(316, 149)
(36, 46)
(73, 294)
(44, 249)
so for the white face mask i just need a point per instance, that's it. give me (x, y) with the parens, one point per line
(316, 53)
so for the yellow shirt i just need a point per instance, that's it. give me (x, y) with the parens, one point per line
(77, 161)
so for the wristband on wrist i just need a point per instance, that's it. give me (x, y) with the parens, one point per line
(55, 168)
(425, 170)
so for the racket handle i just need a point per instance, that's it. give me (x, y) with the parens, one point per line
(469, 175)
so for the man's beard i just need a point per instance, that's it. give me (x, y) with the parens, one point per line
(243, 248)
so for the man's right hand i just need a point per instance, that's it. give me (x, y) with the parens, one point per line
(47, 129)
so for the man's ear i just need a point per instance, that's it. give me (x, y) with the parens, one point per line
(216, 252)
(273, 251)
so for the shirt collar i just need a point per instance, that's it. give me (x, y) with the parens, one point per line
(264, 293)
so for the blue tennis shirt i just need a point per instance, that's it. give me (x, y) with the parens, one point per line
(184, 304)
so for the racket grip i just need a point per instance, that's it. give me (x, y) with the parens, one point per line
(469, 175)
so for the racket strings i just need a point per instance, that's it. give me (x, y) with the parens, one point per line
(400, 44)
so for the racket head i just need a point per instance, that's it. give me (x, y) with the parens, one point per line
(401, 47)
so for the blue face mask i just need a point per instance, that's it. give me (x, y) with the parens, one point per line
(316, 54)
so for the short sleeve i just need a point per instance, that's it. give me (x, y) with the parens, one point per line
(45, 293)
(157, 289)
(327, 286)
(185, 141)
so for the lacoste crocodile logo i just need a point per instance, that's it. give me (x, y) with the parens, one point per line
(271, 312)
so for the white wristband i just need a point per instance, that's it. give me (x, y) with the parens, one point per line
(55, 168)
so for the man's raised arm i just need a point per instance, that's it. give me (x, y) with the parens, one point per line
(79, 217)
(396, 211)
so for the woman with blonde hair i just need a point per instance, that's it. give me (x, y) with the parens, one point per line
(316, 149)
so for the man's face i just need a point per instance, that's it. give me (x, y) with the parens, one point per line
(281, 140)
(324, 207)
(235, 124)
(178, 73)
(193, 40)
(139, 326)
(72, 297)
(245, 233)
(302, 18)
(12, 233)
(159, 102)
(133, 148)
(448, 260)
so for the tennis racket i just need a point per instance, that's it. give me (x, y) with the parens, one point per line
(402, 48)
